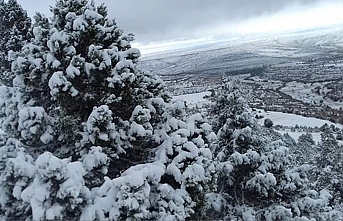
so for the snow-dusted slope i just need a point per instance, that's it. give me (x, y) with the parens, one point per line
(247, 52)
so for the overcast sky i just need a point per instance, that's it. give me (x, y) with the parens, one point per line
(200, 20)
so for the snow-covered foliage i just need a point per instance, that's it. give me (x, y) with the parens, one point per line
(86, 135)
(327, 165)
(101, 138)
(81, 60)
(57, 189)
(226, 104)
(14, 32)
(172, 186)
(48, 188)
(255, 179)
(16, 173)
(305, 149)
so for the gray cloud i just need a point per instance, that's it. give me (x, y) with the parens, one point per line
(163, 20)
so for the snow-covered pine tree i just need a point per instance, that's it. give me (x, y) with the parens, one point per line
(78, 93)
(330, 152)
(304, 150)
(290, 142)
(15, 31)
(327, 171)
(255, 179)
(81, 61)
(224, 107)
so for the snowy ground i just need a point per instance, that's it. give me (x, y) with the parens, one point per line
(301, 91)
(193, 99)
(292, 120)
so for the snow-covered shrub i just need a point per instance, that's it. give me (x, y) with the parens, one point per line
(15, 25)
(268, 123)
(48, 188)
(101, 130)
(33, 123)
(126, 197)
(95, 163)
(173, 186)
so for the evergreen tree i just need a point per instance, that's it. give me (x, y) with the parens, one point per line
(289, 141)
(15, 31)
(227, 102)
(304, 150)
(79, 95)
(255, 179)
(79, 62)
(327, 171)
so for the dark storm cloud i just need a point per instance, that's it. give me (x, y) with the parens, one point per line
(164, 20)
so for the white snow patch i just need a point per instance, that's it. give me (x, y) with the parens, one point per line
(292, 119)
(193, 99)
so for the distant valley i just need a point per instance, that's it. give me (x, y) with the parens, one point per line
(300, 73)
